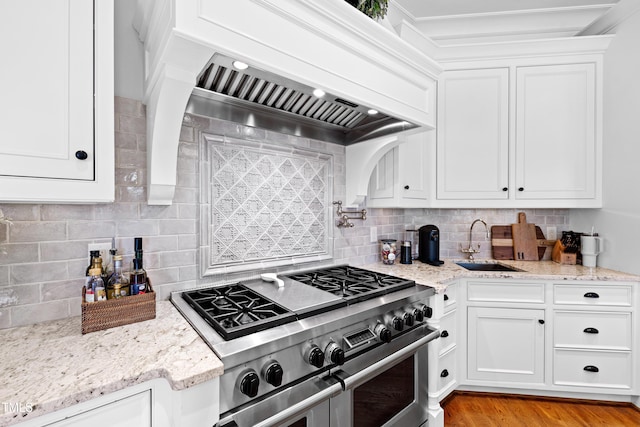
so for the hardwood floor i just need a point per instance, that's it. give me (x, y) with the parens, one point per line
(487, 410)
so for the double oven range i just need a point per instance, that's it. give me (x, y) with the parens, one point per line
(338, 346)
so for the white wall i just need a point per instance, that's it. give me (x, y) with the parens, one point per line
(619, 221)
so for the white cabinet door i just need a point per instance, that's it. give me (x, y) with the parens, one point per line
(473, 135)
(506, 345)
(132, 411)
(400, 179)
(56, 102)
(46, 83)
(413, 155)
(556, 132)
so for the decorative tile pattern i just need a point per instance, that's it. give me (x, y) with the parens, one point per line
(266, 204)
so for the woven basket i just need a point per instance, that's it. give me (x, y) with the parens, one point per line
(100, 315)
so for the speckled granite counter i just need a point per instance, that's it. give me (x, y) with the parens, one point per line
(52, 366)
(438, 277)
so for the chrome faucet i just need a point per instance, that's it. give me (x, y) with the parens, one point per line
(470, 250)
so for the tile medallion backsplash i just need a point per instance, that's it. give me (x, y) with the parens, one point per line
(263, 204)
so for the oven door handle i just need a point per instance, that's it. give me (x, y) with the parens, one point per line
(302, 406)
(352, 381)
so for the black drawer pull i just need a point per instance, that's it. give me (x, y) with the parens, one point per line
(591, 331)
(444, 334)
(446, 297)
(81, 155)
(406, 187)
(445, 373)
(541, 321)
(591, 368)
(591, 295)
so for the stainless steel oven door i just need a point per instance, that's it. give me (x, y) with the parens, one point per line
(389, 392)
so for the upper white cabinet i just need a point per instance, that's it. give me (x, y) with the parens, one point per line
(400, 179)
(556, 132)
(473, 135)
(523, 135)
(56, 109)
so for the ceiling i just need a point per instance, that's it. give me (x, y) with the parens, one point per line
(449, 22)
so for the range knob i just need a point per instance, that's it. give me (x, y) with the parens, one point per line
(272, 374)
(428, 311)
(382, 333)
(314, 356)
(334, 354)
(417, 314)
(408, 319)
(249, 384)
(397, 323)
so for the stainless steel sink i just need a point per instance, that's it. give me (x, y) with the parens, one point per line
(486, 266)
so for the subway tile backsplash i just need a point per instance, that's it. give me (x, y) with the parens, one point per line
(43, 256)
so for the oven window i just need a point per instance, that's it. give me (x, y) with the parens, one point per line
(300, 423)
(382, 397)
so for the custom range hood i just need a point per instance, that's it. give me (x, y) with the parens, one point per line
(232, 90)
(291, 47)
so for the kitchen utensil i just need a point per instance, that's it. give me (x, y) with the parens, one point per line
(271, 277)
(502, 242)
(525, 243)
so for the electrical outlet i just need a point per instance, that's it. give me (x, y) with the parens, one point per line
(104, 252)
(552, 233)
(373, 234)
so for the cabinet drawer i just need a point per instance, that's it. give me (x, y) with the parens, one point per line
(594, 295)
(607, 369)
(592, 330)
(447, 338)
(450, 297)
(506, 291)
(447, 370)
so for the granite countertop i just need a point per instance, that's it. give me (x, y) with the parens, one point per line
(52, 366)
(439, 277)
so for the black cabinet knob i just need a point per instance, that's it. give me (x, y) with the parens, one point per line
(81, 155)
(444, 334)
(591, 331)
(521, 189)
(406, 187)
(444, 373)
(249, 384)
(505, 189)
(591, 295)
(591, 368)
(541, 321)
(446, 297)
(273, 375)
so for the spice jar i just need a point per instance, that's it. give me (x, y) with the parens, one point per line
(388, 250)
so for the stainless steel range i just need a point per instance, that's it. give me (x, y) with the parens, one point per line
(339, 346)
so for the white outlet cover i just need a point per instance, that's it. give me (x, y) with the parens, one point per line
(104, 252)
(552, 233)
(373, 236)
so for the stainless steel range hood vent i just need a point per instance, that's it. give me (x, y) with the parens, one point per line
(259, 99)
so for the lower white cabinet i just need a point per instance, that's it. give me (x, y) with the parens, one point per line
(505, 344)
(132, 411)
(150, 404)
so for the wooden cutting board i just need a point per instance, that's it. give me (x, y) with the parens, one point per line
(502, 242)
(525, 243)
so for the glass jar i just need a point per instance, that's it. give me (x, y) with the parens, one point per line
(388, 250)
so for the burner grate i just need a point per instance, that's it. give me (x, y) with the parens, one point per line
(352, 283)
(235, 310)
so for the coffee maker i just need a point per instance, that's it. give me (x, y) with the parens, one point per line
(429, 245)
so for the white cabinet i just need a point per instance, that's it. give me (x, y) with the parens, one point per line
(473, 135)
(594, 336)
(400, 179)
(56, 109)
(522, 134)
(556, 132)
(506, 344)
(132, 411)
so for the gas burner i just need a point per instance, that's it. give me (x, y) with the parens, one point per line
(352, 283)
(235, 310)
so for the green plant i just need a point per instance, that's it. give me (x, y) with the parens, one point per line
(375, 9)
